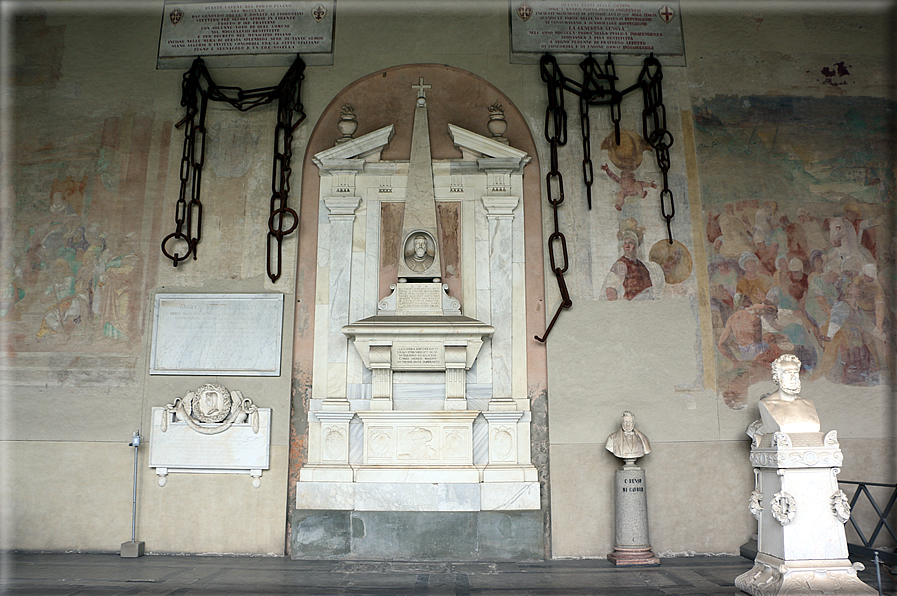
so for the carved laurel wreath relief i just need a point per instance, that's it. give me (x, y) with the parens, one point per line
(211, 409)
(841, 506)
(756, 504)
(784, 507)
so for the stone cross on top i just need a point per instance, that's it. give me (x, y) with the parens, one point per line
(421, 93)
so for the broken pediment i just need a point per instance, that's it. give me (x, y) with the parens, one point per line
(477, 148)
(353, 154)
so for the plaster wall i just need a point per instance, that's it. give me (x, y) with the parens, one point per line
(88, 101)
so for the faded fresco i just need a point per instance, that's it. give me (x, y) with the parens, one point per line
(76, 225)
(797, 193)
(619, 250)
(73, 267)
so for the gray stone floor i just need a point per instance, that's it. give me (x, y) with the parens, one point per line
(77, 574)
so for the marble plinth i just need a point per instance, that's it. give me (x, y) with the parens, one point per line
(801, 512)
(772, 576)
(411, 496)
(631, 544)
(407, 446)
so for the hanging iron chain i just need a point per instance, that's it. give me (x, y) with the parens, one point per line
(598, 88)
(655, 131)
(556, 135)
(188, 216)
(188, 228)
(287, 103)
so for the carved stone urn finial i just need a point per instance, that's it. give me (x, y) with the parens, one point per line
(497, 124)
(348, 123)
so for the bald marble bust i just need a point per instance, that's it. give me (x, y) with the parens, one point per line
(784, 410)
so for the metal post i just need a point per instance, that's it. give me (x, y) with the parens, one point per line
(878, 572)
(133, 548)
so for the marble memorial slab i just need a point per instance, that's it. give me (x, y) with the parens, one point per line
(570, 29)
(217, 334)
(246, 32)
(175, 447)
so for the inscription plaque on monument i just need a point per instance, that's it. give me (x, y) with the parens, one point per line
(419, 297)
(217, 334)
(418, 356)
(568, 29)
(246, 32)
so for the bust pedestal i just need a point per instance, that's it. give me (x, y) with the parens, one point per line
(631, 545)
(801, 545)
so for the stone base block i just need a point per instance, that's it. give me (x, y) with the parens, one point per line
(384, 496)
(326, 473)
(771, 576)
(413, 535)
(132, 550)
(623, 557)
(409, 474)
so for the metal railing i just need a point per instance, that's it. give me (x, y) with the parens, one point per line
(867, 549)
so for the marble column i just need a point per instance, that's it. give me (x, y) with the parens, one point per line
(500, 214)
(342, 220)
(631, 544)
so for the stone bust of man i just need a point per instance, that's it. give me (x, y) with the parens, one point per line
(784, 410)
(419, 256)
(628, 443)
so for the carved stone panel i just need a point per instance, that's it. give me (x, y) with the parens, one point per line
(399, 438)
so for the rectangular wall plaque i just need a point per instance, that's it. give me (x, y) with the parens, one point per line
(418, 356)
(245, 32)
(217, 334)
(569, 29)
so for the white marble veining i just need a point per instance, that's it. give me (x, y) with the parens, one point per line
(319, 367)
(478, 391)
(458, 497)
(325, 495)
(506, 496)
(356, 442)
(396, 497)
(418, 391)
(480, 442)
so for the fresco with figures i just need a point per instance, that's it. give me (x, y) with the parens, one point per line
(796, 197)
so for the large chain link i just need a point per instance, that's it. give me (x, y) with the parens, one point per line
(598, 88)
(556, 135)
(188, 216)
(655, 131)
(190, 170)
(287, 103)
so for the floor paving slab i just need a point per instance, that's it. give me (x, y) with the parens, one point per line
(40, 574)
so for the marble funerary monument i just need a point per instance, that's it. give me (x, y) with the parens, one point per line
(801, 512)
(419, 421)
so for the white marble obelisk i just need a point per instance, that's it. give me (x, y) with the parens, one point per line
(419, 251)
